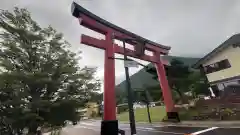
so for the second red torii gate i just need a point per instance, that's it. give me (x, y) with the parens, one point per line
(93, 22)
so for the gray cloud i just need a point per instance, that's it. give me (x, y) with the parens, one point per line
(191, 28)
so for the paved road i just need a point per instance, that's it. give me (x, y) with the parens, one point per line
(93, 128)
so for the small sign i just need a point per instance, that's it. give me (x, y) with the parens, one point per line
(130, 63)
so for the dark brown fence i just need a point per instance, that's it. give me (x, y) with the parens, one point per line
(225, 107)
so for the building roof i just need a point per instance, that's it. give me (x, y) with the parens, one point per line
(231, 41)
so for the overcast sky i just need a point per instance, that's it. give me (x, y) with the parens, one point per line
(190, 27)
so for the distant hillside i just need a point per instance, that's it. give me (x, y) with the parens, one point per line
(143, 79)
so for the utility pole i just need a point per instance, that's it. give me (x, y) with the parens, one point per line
(147, 102)
(144, 98)
(130, 93)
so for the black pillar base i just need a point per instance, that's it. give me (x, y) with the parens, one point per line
(109, 127)
(173, 117)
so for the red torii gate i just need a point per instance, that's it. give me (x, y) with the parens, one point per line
(95, 23)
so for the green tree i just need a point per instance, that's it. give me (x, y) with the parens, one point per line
(142, 95)
(178, 78)
(41, 81)
(154, 92)
(96, 97)
(198, 85)
(121, 96)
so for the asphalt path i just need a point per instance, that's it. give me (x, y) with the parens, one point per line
(90, 127)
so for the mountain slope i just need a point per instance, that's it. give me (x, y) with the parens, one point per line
(143, 79)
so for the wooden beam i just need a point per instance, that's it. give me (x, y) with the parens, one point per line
(152, 48)
(120, 50)
(98, 43)
(98, 27)
(92, 24)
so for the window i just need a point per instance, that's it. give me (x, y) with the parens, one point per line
(236, 45)
(223, 64)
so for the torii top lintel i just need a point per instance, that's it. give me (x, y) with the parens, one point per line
(91, 21)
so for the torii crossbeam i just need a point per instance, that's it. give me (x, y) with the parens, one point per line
(95, 23)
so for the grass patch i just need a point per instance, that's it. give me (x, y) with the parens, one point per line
(187, 114)
(157, 114)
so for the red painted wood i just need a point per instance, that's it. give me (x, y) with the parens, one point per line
(117, 49)
(109, 65)
(98, 43)
(156, 49)
(164, 84)
(153, 48)
(120, 50)
(93, 25)
(109, 81)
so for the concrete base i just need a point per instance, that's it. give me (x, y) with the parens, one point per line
(109, 127)
(173, 117)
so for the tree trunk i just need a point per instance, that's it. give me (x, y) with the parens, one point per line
(33, 129)
(149, 117)
(184, 101)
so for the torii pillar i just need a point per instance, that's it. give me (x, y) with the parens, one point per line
(93, 22)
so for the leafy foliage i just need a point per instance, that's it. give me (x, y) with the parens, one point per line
(177, 75)
(154, 92)
(121, 96)
(198, 84)
(41, 81)
(142, 95)
(182, 79)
